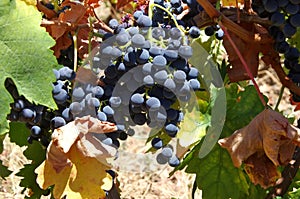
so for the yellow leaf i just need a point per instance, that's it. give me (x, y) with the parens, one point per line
(76, 161)
(231, 2)
(30, 2)
(82, 180)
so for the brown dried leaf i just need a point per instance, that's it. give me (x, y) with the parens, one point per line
(122, 3)
(270, 134)
(261, 170)
(249, 51)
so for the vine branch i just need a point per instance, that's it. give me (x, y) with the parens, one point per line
(288, 175)
(261, 97)
(214, 14)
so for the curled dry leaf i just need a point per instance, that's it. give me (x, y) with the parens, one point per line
(76, 160)
(268, 140)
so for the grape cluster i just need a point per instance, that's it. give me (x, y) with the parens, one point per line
(38, 118)
(285, 18)
(145, 78)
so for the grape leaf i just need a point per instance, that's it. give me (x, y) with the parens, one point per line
(25, 58)
(242, 106)
(265, 143)
(232, 3)
(36, 153)
(216, 176)
(18, 133)
(76, 161)
(4, 172)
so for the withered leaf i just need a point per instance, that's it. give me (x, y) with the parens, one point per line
(261, 170)
(249, 51)
(72, 150)
(269, 134)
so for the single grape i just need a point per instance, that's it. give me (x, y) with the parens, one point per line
(113, 24)
(194, 32)
(175, 33)
(185, 51)
(159, 62)
(170, 84)
(161, 159)
(194, 84)
(66, 73)
(171, 129)
(78, 93)
(139, 119)
(28, 114)
(137, 99)
(115, 101)
(171, 55)
(93, 103)
(107, 141)
(101, 116)
(57, 122)
(108, 111)
(277, 18)
(157, 143)
(36, 132)
(179, 76)
(155, 51)
(174, 161)
(129, 59)
(295, 20)
(142, 56)
(148, 81)
(209, 31)
(133, 30)
(18, 105)
(67, 115)
(161, 76)
(271, 5)
(167, 152)
(144, 21)
(153, 103)
(61, 97)
(292, 8)
(219, 34)
(137, 14)
(122, 39)
(76, 108)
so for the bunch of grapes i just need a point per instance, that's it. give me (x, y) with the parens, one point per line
(38, 118)
(285, 18)
(145, 78)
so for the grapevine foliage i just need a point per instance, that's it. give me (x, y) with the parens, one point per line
(22, 47)
(70, 119)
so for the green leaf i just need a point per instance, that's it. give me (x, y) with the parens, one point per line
(216, 176)
(242, 107)
(193, 128)
(4, 172)
(37, 154)
(25, 57)
(19, 133)
(215, 173)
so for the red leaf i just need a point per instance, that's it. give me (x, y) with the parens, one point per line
(122, 3)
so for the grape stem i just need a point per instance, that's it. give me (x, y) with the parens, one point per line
(288, 174)
(151, 5)
(233, 27)
(261, 97)
(279, 98)
(75, 49)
